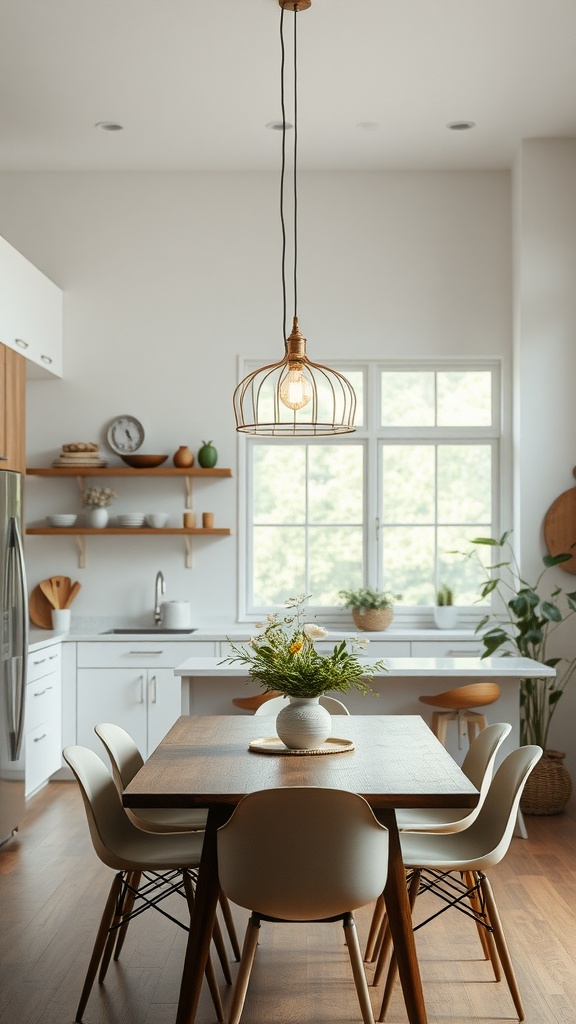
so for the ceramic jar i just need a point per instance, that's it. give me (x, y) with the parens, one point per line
(183, 458)
(304, 724)
(97, 517)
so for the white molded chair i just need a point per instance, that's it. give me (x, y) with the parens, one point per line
(338, 856)
(275, 705)
(436, 861)
(126, 760)
(149, 867)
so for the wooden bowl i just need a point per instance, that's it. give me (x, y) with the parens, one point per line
(143, 461)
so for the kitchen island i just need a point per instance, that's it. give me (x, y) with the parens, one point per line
(209, 684)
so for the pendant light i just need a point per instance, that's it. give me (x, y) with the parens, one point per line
(293, 397)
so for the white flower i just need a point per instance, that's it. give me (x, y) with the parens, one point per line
(362, 643)
(314, 632)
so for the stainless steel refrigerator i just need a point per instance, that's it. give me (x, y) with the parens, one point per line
(13, 654)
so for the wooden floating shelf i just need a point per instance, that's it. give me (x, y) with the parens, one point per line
(125, 471)
(78, 531)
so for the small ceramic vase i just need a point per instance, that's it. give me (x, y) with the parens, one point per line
(183, 458)
(303, 724)
(97, 517)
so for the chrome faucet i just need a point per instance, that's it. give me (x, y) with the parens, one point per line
(159, 588)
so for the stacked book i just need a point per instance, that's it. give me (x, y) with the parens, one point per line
(80, 453)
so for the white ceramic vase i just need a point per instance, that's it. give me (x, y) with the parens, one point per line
(303, 724)
(446, 616)
(97, 517)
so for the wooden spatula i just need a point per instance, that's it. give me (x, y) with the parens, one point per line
(61, 589)
(73, 591)
(49, 592)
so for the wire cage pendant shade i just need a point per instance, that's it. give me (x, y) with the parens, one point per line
(293, 397)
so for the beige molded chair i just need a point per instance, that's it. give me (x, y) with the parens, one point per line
(337, 862)
(453, 866)
(126, 760)
(253, 702)
(149, 867)
(458, 704)
(272, 707)
(478, 766)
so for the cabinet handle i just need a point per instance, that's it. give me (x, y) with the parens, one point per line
(39, 662)
(141, 701)
(46, 359)
(21, 343)
(38, 738)
(3, 458)
(153, 689)
(144, 653)
(470, 653)
(52, 656)
(40, 693)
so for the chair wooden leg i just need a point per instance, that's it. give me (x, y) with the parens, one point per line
(501, 945)
(209, 969)
(230, 926)
(221, 950)
(245, 969)
(377, 918)
(351, 937)
(134, 880)
(384, 944)
(470, 881)
(100, 942)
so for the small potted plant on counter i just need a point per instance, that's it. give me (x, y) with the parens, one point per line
(371, 609)
(445, 613)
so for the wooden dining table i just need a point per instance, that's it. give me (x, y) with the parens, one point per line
(205, 761)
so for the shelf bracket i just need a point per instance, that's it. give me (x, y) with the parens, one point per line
(81, 552)
(188, 482)
(82, 485)
(188, 546)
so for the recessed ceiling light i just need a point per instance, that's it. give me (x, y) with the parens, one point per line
(276, 126)
(109, 126)
(461, 126)
(368, 126)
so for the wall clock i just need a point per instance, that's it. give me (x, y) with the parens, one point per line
(125, 435)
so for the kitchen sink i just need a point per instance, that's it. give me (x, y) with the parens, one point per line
(157, 630)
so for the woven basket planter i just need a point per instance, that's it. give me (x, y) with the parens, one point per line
(549, 787)
(373, 618)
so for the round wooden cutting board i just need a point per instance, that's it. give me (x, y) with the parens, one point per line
(40, 609)
(560, 528)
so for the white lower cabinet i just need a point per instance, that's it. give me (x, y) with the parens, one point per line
(133, 685)
(43, 716)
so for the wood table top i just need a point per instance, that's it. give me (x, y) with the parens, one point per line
(205, 760)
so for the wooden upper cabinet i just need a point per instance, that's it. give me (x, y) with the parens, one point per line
(13, 411)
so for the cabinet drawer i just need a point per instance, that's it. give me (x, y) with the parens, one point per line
(42, 700)
(42, 753)
(448, 649)
(44, 661)
(375, 648)
(148, 653)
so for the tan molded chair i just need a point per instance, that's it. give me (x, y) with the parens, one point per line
(272, 707)
(254, 702)
(453, 866)
(337, 862)
(149, 867)
(126, 760)
(459, 704)
(478, 766)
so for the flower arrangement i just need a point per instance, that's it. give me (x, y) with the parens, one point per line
(366, 598)
(98, 497)
(283, 657)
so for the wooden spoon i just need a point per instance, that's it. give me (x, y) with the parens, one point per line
(49, 592)
(73, 591)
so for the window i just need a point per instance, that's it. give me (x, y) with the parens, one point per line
(390, 506)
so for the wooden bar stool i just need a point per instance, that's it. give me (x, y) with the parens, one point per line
(458, 704)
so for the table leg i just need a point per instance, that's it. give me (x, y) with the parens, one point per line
(200, 935)
(400, 921)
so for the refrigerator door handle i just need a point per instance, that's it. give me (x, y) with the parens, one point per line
(16, 586)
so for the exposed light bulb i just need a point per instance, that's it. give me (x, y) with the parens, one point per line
(295, 390)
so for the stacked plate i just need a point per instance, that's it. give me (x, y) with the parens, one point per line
(61, 520)
(131, 519)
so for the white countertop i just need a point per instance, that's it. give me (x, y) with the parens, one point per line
(488, 668)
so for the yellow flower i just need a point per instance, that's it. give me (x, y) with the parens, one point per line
(296, 647)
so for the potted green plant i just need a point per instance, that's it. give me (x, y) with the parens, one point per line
(524, 624)
(445, 612)
(371, 609)
(283, 657)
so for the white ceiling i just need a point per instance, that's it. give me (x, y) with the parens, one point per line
(194, 82)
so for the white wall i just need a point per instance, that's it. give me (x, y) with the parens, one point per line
(168, 278)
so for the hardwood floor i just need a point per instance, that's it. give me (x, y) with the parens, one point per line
(52, 891)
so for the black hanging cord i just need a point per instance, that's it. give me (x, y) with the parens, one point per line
(282, 174)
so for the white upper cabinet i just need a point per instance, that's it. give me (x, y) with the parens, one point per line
(30, 313)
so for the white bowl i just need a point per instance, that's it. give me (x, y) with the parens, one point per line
(157, 519)
(63, 519)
